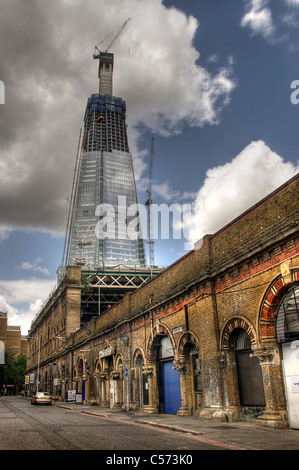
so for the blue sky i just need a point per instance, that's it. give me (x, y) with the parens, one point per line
(209, 80)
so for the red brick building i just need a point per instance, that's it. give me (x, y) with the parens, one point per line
(206, 336)
(10, 338)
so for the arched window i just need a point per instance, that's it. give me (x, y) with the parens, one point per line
(166, 349)
(287, 323)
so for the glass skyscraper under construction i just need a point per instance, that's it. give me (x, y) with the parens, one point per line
(104, 180)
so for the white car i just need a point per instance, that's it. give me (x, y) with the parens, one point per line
(41, 398)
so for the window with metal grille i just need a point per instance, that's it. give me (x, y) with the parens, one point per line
(287, 322)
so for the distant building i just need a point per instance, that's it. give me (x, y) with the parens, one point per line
(104, 177)
(104, 234)
(11, 337)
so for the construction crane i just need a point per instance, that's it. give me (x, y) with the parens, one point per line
(119, 31)
(148, 203)
(72, 201)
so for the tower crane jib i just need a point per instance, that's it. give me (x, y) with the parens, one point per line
(119, 32)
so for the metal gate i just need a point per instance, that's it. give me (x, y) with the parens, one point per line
(171, 388)
(250, 379)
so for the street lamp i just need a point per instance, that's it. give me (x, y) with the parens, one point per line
(38, 360)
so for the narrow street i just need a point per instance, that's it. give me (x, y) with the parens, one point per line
(27, 427)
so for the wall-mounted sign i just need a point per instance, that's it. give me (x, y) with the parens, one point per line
(105, 352)
(179, 329)
(295, 383)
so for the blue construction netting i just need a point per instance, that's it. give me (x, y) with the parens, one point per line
(102, 103)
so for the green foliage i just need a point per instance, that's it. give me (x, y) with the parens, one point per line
(13, 371)
(86, 283)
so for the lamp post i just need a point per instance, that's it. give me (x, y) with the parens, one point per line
(55, 381)
(38, 362)
(38, 359)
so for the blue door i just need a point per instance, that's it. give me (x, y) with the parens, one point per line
(83, 390)
(171, 388)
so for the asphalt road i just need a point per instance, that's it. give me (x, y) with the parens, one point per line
(27, 427)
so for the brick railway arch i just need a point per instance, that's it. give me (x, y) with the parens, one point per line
(161, 356)
(187, 338)
(139, 379)
(270, 305)
(97, 366)
(119, 361)
(233, 324)
(191, 377)
(241, 371)
(154, 341)
(138, 356)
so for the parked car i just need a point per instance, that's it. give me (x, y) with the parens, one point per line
(41, 398)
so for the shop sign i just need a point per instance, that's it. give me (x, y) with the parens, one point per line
(105, 352)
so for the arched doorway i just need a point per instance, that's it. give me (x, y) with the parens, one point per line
(287, 333)
(118, 389)
(140, 384)
(168, 378)
(80, 382)
(163, 377)
(250, 381)
(243, 390)
(190, 367)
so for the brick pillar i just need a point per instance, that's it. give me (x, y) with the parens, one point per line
(150, 371)
(182, 367)
(231, 399)
(104, 401)
(268, 356)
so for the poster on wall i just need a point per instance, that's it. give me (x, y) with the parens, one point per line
(79, 398)
(295, 383)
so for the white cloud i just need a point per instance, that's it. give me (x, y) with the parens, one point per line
(26, 290)
(292, 2)
(231, 189)
(26, 265)
(23, 299)
(259, 18)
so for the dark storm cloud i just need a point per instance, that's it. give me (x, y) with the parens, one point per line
(47, 67)
(37, 143)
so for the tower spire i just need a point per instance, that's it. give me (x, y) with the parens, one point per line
(106, 63)
(106, 73)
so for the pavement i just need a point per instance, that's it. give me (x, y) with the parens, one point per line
(230, 435)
